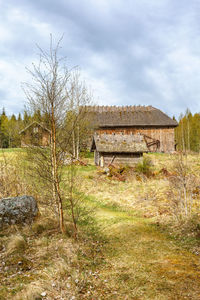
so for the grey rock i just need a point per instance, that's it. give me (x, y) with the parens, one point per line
(17, 210)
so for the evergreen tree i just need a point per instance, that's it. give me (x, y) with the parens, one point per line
(187, 134)
(4, 135)
(26, 118)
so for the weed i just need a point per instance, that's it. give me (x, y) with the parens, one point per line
(145, 167)
(16, 244)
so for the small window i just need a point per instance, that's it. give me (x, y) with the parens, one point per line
(35, 129)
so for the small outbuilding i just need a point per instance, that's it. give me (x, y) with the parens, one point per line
(35, 134)
(118, 149)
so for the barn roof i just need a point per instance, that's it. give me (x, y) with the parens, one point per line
(37, 123)
(116, 116)
(119, 143)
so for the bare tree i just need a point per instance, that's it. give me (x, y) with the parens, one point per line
(58, 94)
(77, 125)
(184, 185)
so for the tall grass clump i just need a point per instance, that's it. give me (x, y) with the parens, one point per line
(16, 244)
(184, 190)
(145, 167)
(13, 175)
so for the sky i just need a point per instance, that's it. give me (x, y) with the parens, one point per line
(130, 52)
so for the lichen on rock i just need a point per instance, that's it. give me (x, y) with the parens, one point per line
(17, 210)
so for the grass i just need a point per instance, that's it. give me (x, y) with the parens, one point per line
(16, 244)
(143, 262)
(124, 252)
(11, 150)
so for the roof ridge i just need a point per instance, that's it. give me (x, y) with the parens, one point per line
(129, 115)
(118, 108)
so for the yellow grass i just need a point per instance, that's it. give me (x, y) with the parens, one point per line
(133, 256)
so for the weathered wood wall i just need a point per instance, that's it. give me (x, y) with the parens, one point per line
(45, 138)
(40, 138)
(129, 159)
(165, 135)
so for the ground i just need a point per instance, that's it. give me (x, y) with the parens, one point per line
(129, 252)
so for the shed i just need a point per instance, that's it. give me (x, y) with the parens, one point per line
(118, 149)
(35, 134)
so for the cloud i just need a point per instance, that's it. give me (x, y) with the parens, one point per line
(134, 52)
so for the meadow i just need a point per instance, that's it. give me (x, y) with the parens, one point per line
(140, 239)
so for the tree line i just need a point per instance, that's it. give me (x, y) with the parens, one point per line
(187, 134)
(10, 127)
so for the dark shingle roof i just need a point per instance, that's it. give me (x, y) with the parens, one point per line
(114, 116)
(119, 143)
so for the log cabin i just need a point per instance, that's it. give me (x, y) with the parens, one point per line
(35, 134)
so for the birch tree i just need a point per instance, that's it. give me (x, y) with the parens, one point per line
(57, 93)
(48, 93)
(77, 125)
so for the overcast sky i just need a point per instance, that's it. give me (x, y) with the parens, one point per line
(137, 52)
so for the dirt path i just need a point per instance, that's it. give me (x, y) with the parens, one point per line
(143, 263)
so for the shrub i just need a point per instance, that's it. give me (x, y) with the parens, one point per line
(145, 167)
(184, 190)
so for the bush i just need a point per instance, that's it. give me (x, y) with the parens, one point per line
(145, 167)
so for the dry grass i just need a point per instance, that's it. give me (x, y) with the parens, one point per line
(32, 292)
(151, 196)
(51, 263)
(144, 264)
(131, 255)
(13, 175)
(16, 243)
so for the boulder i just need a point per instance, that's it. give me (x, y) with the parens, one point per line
(18, 210)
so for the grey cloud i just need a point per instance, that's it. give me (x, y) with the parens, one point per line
(129, 46)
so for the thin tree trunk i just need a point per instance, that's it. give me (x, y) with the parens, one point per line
(188, 130)
(73, 144)
(55, 173)
(52, 168)
(185, 200)
(72, 202)
(182, 136)
(77, 144)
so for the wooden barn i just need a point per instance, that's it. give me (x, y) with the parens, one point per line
(155, 126)
(35, 134)
(118, 149)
